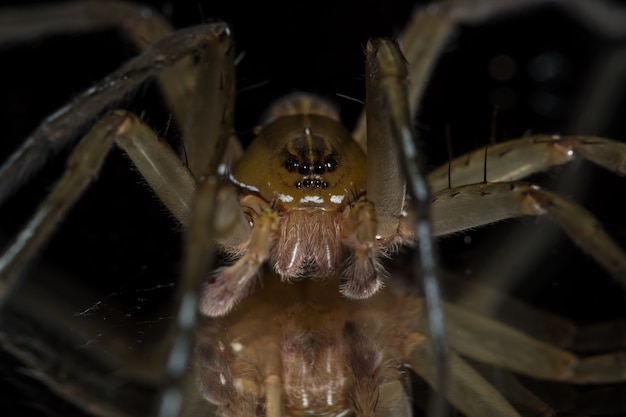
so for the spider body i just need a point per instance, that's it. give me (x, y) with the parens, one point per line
(308, 170)
(300, 331)
(303, 188)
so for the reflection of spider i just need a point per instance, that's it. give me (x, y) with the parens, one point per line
(191, 154)
(292, 348)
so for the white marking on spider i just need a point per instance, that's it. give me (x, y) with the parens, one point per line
(90, 91)
(241, 184)
(337, 199)
(222, 169)
(58, 113)
(285, 198)
(312, 199)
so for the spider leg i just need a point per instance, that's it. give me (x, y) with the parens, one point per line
(58, 129)
(160, 165)
(592, 336)
(213, 361)
(603, 17)
(364, 272)
(521, 398)
(274, 392)
(392, 140)
(466, 389)
(428, 30)
(488, 341)
(385, 88)
(491, 202)
(421, 42)
(482, 299)
(28, 23)
(235, 281)
(84, 163)
(142, 24)
(539, 324)
(393, 401)
(516, 159)
(210, 123)
(210, 128)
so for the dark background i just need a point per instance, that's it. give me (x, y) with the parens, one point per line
(119, 250)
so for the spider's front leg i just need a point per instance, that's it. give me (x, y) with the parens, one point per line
(163, 170)
(164, 54)
(161, 167)
(140, 143)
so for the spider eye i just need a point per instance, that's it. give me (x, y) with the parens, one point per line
(330, 164)
(304, 169)
(291, 164)
(318, 168)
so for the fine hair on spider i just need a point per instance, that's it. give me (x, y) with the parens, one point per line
(310, 210)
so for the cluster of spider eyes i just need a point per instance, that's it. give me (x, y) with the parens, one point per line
(316, 168)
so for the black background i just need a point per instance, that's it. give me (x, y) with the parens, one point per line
(120, 246)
